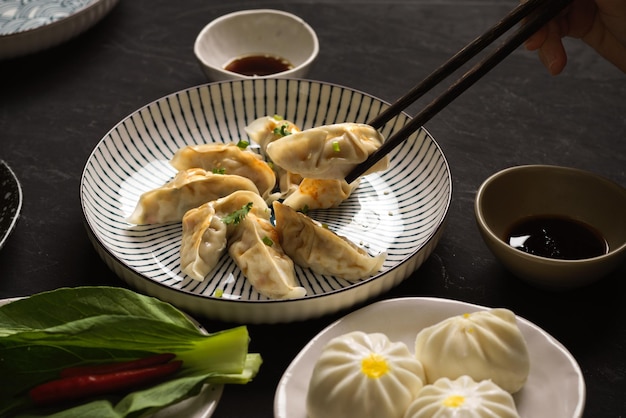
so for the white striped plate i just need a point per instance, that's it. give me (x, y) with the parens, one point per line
(401, 211)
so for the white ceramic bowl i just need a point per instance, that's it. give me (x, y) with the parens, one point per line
(253, 32)
(539, 190)
(400, 211)
(554, 372)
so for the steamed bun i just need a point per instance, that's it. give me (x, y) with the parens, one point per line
(462, 398)
(483, 345)
(363, 375)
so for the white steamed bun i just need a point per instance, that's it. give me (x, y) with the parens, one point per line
(483, 345)
(462, 398)
(363, 375)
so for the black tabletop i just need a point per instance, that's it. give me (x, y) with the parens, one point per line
(57, 104)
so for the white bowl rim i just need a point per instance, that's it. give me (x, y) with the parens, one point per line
(209, 26)
(531, 257)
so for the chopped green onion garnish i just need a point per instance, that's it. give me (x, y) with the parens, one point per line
(218, 293)
(336, 146)
(282, 130)
(219, 170)
(304, 209)
(268, 241)
(243, 144)
(238, 215)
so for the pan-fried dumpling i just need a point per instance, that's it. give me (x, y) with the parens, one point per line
(256, 249)
(189, 189)
(267, 129)
(312, 245)
(205, 234)
(287, 182)
(227, 159)
(203, 241)
(363, 375)
(462, 397)
(320, 194)
(327, 152)
(228, 204)
(483, 345)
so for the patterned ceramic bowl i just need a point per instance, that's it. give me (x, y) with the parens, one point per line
(400, 211)
(10, 201)
(31, 26)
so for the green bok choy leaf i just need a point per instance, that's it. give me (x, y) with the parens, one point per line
(48, 332)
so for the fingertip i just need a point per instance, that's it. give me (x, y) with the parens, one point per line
(555, 63)
(556, 67)
(536, 40)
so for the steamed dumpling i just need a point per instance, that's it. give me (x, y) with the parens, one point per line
(462, 398)
(320, 194)
(203, 241)
(187, 190)
(227, 159)
(267, 129)
(327, 152)
(205, 235)
(363, 375)
(226, 205)
(483, 345)
(255, 248)
(312, 245)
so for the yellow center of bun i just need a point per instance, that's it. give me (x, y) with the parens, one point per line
(454, 401)
(374, 366)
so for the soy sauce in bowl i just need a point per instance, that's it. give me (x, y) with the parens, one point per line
(556, 237)
(258, 65)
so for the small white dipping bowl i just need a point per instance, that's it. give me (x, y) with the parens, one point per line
(256, 32)
(540, 190)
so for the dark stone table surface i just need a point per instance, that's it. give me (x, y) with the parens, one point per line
(57, 104)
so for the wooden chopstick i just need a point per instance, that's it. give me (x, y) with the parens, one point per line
(544, 11)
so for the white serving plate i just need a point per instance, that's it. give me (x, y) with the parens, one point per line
(400, 211)
(10, 201)
(33, 25)
(555, 387)
(200, 406)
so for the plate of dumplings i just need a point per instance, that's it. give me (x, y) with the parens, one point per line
(229, 200)
(419, 357)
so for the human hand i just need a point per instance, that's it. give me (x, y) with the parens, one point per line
(601, 24)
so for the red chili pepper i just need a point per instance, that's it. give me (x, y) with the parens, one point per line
(118, 367)
(79, 387)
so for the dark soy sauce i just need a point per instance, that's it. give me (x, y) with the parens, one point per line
(556, 237)
(259, 65)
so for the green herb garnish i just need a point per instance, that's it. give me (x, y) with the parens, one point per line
(336, 146)
(243, 144)
(238, 215)
(304, 209)
(282, 130)
(219, 170)
(268, 241)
